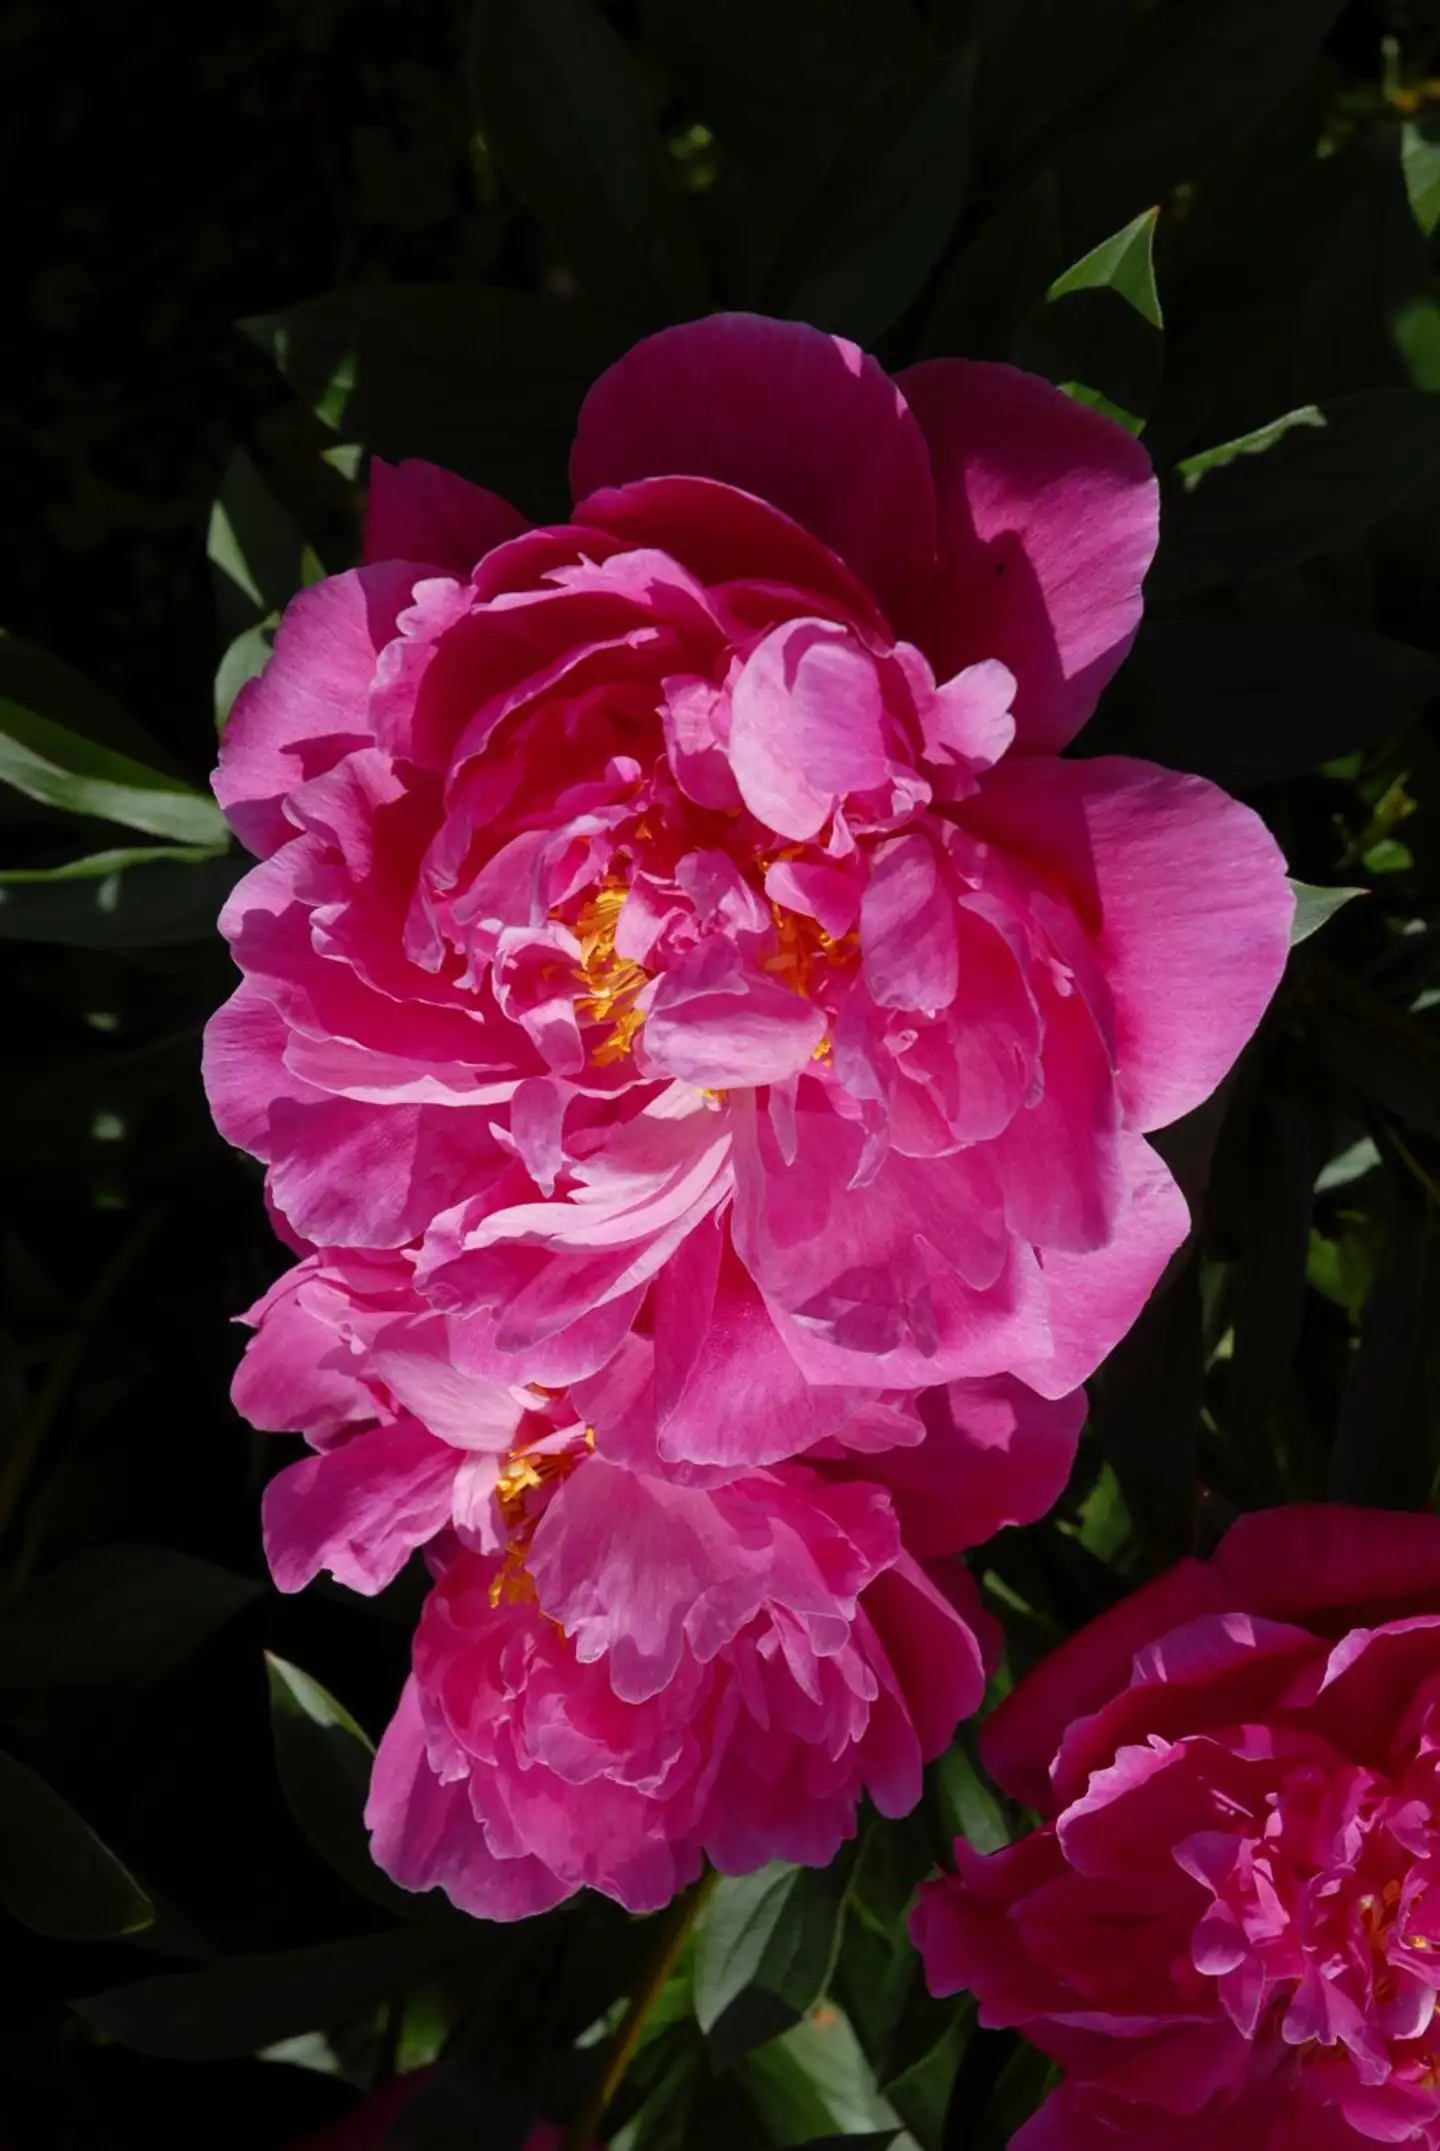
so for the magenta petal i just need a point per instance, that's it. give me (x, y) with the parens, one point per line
(1095, 1297)
(417, 511)
(1020, 1740)
(1332, 1566)
(804, 420)
(806, 727)
(1048, 522)
(310, 706)
(994, 1454)
(907, 929)
(717, 1025)
(1193, 907)
(358, 1510)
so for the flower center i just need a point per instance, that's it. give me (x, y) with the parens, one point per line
(611, 981)
(527, 1471)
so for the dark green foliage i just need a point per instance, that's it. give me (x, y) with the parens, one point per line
(256, 248)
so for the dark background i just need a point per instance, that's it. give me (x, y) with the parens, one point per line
(175, 170)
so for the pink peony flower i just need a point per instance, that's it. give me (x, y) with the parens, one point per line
(628, 1664)
(682, 914)
(1227, 1930)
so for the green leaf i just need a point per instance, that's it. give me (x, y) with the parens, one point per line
(881, 218)
(96, 865)
(969, 1807)
(562, 105)
(1198, 466)
(100, 1621)
(1251, 701)
(487, 382)
(324, 1761)
(1387, 1440)
(256, 548)
(249, 2003)
(1313, 907)
(1123, 264)
(1311, 482)
(1420, 159)
(38, 680)
(55, 1875)
(922, 2068)
(813, 2080)
(48, 762)
(765, 1946)
(161, 902)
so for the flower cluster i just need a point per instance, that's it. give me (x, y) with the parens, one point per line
(1227, 1930)
(702, 1038)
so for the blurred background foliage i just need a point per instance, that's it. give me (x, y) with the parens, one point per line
(252, 246)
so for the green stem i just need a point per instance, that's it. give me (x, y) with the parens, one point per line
(670, 1940)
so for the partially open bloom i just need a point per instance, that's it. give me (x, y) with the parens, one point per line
(689, 900)
(1227, 1931)
(628, 1664)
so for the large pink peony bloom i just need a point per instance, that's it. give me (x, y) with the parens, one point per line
(1228, 1930)
(685, 909)
(628, 1664)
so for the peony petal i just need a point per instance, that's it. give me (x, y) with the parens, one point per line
(1048, 522)
(806, 727)
(1332, 1567)
(359, 1510)
(417, 511)
(1187, 899)
(908, 929)
(1094, 1298)
(804, 420)
(310, 706)
(718, 1025)
(1020, 1740)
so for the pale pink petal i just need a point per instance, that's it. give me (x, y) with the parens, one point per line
(717, 1024)
(806, 727)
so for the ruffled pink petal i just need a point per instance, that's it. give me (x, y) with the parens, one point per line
(907, 929)
(358, 1510)
(717, 1024)
(803, 420)
(310, 705)
(417, 511)
(424, 1834)
(1187, 891)
(806, 727)
(1048, 522)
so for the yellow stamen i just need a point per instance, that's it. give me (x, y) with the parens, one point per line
(611, 981)
(524, 1470)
